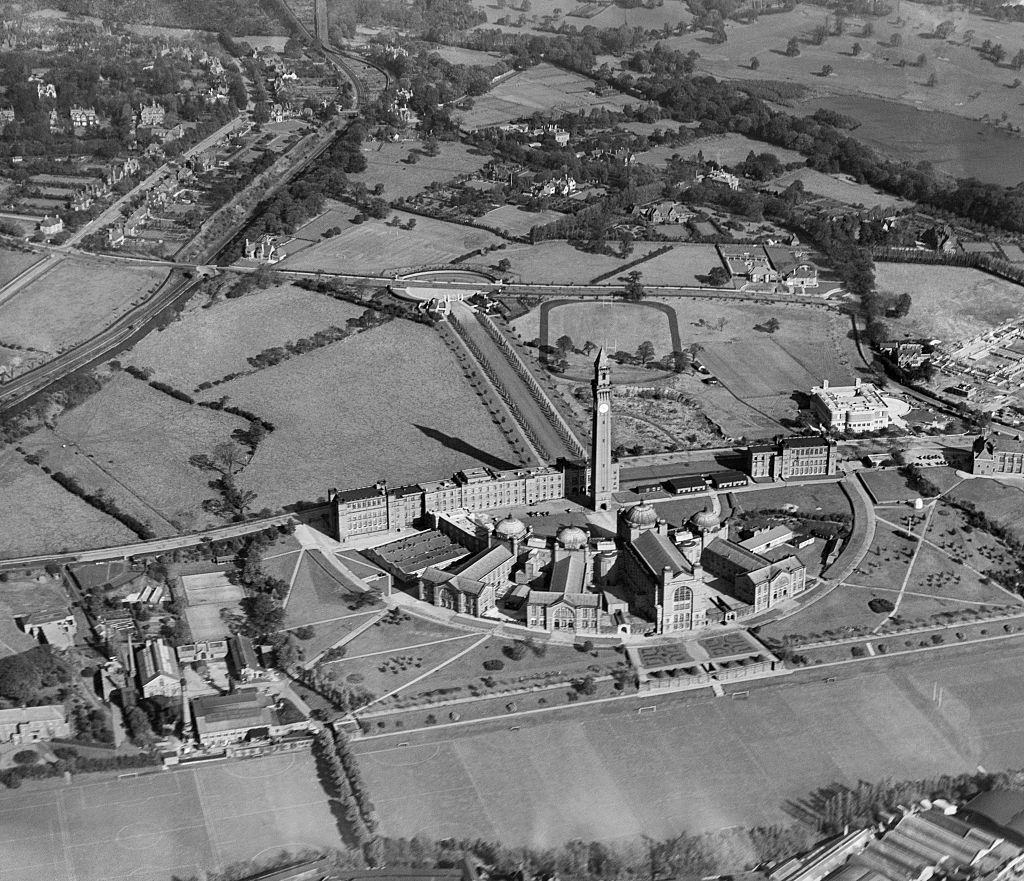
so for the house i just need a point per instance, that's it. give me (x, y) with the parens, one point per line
(33, 724)
(151, 114)
(6, 116)
(158, 670)
(45, 90)
(263, 250)
(659, 213)
(136, 220)
(50, 226)
(940, 238)
(201, 652)
(54, 120)
(720, 176)
(792, 267)
(997, 455)
(81, 202)
(83, 117)
(115, 236)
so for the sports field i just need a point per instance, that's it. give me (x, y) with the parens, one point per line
(374, 247)
(167, 824)
(606, 772)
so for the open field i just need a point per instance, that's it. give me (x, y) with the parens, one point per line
(1002, 502)
(612, 325)
(373, 247)
(35, 507)
(316, 593)
(727, 149)
(839, 187)
(608, 15)
(458, 55)
(176, 823)
(969, 87)
(949, 303)
(140, 440)
(13, 263)
(604, 772)
(541, 88)
(385, 402)
(515, 221)
(72, 302)
(385, 163)
(830, 617)
(826, 497)
(207, 344)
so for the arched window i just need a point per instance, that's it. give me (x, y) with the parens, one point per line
(446, 598)
(683, 595)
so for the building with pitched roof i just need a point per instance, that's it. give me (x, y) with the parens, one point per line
(158, 670)
(792, 457)
(221, 720)
(996, 455)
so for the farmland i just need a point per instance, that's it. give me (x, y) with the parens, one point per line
(35, 508)
(610, 774)
(840, 188)
(180, 823)
(13, 263)
(516, 222)
(387, 164)
(206, 344)
(374, 247)
(540, 88)
(73, 301)
(135, 443)
(727, 149)
(949, 303)
(385, 402)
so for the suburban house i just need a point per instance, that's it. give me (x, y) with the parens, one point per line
(659, 213)
(792, 267)
(50, 226)
(151, 114)
(83, 117)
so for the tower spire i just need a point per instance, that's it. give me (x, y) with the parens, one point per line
(602, 478)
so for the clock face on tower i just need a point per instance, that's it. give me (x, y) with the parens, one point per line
(602, 408)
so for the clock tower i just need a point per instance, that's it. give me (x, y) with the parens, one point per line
(603, 473)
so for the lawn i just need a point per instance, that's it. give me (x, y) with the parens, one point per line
(13, 263)
(386, 164)
(975, 547)
(541, 88)
(400, 632)
(135, 443)
(826, 497)
(608, 773)
(557, 262)
(317, 594)
(73, 301)
(886, 562)
(33, 507)
(180, 823)
(936, 575)
(611, 325)
(889, 486)
(949, 303)
(728, 149)
(206, 344)
(385, 403)
(374, 247)
(830, 617)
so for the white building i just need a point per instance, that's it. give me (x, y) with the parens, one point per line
(32, 724)
(854, 408)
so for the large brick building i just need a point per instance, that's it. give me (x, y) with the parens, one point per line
(997, 455)
(793, 457)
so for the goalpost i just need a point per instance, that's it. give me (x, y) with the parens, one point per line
(740, 695)
(649, 709)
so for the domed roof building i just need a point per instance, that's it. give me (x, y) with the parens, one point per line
(572, 538)
(705, 521)
(510, 529)
(642, 516)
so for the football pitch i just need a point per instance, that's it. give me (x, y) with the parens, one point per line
(702, 765)
(166, 824)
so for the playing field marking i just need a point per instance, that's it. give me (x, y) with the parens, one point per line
(429, 672)
(401, 648)
(404, 747)
(62, 824)
(208, 827)
(232, 771)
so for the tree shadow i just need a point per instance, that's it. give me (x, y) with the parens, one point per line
(460, 446)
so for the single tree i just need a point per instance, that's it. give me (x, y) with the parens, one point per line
(645, 352)
(857, 49)
(634, 290)
(896, 40)
(754, 63)
(793, 47)
(718, 276)
(826, 70)
(565, 344)
(772, 324)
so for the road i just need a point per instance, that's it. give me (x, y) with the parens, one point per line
(162, 545)
(531, 411)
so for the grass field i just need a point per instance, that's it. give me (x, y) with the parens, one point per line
(727, 149)
(1003, 502)
(13, 263)
(385, 402)
(515, 221)
(34, 505)
(72, 302)
(316, 594)
(541, 88)
(140, 440)
(612, 325)
(373, 247)
(385, 164)
(167, 824)
(207, 344)
(839, 187)
(607, 773)
(949, 303)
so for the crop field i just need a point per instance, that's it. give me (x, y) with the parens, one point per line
(607, 773)
(13, 263)
(386, 164)
(373, 247)
(141, 440)
(541, 88)
(177, 823)
(72, 302)
(33, 507)
(515, 221)
(727, 149)
(839, 187)
(949, 302)
(385, 402)
(207, 344)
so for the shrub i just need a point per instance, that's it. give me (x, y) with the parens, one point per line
(586, 646)
(516, 651)
(306, 632)
(494, 664)
(26, 757)
(880, 604)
